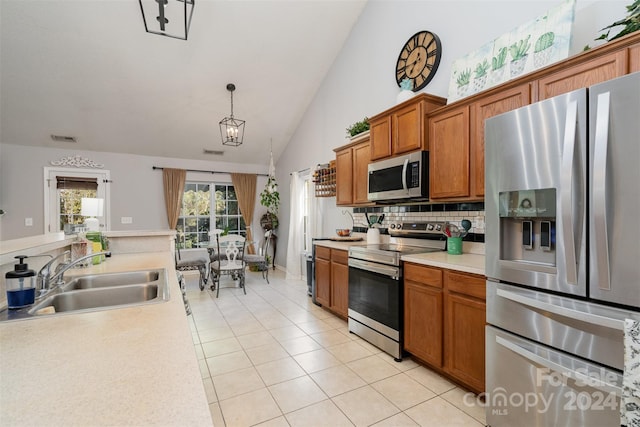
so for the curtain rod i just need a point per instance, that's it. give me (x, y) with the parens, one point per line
(211, 172)
(300, 171)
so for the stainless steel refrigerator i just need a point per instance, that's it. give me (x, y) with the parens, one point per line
(562, 255)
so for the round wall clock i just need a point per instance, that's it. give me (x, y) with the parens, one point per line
(419, 59)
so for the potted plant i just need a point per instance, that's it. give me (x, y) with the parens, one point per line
(358, 127)
(631, 23)
(270, 199)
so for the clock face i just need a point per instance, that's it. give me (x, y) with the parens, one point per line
(419, 59)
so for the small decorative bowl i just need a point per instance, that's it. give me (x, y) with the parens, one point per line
(343, 232)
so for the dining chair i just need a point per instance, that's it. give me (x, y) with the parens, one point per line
(229, 262)
(191, 262)
(260, 259)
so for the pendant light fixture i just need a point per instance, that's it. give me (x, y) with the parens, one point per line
(231, 129)
(171, 18)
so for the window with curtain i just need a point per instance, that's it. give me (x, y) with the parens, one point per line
(201, 212)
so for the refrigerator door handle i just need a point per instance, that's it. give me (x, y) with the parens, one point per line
(601, 145)
(593, 381)
(563, 311)
(566, 179)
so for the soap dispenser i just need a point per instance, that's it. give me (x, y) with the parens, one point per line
(20, 284)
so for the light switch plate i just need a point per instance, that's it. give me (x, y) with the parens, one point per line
(28, 222)
(126, 220)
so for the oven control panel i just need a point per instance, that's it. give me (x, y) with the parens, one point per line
(417, 228)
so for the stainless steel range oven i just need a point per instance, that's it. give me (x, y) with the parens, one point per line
(376, 286)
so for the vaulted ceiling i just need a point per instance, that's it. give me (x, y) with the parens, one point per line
(88, 69)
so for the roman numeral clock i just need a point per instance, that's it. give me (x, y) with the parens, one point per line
(419, 59)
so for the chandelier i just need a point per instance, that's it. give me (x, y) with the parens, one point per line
(171, 18)
(231, 129)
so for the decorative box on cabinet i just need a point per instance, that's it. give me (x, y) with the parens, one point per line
(351, 172)
(401, 129)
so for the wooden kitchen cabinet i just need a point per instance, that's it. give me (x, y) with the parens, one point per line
(449, 154)
(332, 279)
(591, 72)
(401, 129)
(464, 319)
(634, 58)
(323, 275)
(489, 106)
(444, 320)
(423, 314)
(352, 174)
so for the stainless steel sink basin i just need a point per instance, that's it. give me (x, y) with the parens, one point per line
(96, 292)
(99, 298)
(112, 279)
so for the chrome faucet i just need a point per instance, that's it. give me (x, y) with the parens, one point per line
(45, 278)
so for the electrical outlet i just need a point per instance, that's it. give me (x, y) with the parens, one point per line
(126, 220)
(28, 222)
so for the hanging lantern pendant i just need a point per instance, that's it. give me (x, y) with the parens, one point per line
(231, 129)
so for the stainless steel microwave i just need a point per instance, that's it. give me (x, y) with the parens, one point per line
(401, 177)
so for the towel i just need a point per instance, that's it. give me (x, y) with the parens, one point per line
(630, 401)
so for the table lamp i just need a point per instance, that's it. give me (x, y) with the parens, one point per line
(91, 208)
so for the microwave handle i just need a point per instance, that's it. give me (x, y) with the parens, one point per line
(404, 175)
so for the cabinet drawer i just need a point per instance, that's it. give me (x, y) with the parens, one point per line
(323, 252)
(421, 274)
(339, 256)
(467, 284)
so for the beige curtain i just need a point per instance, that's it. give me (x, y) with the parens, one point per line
(173, 180)
(245, 186)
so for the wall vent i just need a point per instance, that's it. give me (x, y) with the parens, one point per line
(64, 138)
(213, 152)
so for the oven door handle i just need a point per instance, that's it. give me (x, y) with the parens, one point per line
(389, 271)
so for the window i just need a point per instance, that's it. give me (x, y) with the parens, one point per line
(200, 211)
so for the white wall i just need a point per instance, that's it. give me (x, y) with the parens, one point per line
(136, 190)
(362, 83)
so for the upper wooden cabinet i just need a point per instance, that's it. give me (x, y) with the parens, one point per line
(634, 58)
(586, 74)
(449, 154)
(487, 107)
(401, 129)
(352, 174)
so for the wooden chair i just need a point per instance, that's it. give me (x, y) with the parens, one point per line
(230, 262)
(260, 259)
(195, 261)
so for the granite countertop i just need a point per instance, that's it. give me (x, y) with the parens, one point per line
(127, 366)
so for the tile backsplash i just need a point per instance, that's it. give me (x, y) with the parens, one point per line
(450, 212)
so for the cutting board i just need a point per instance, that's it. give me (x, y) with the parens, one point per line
(346, 239)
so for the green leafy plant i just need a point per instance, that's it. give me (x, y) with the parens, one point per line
(481, 68)
(464, 77)
(500, 59)
(270, 197)
(358, 127)
(631, 23)
(519, 49)
(544, 42)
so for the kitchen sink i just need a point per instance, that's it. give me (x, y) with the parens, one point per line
(112, 279)
(99, 298)
(97, 292)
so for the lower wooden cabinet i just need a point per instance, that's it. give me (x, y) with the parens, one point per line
(332, 279)
(444, 320)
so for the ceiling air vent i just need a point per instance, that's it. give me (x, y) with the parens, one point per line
(64, 138)
(214, 152)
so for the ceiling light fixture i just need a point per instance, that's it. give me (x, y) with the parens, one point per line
(168, 16)
(231, 129)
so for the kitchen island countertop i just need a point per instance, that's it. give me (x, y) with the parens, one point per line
(127, 366)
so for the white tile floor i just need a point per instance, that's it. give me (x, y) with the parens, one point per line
(273, 358)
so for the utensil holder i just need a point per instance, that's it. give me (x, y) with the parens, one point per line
(373, 236)
(454, 245)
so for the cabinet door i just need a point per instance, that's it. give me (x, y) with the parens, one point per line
(361, 159)
(634, 58)
(380, 138)
(591, 72)
(449, 154)
(323, 281)
(340, 288)
(480, 111)
(464, 339)
(344, 177)
(407, 129)
(423, 322)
